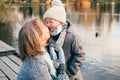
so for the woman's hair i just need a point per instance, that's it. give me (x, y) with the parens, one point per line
(29, 39)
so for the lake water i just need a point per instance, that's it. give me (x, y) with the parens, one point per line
(102, 52)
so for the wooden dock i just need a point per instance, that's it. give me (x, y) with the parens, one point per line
(9, 67)
(6, 49)
(9, 63)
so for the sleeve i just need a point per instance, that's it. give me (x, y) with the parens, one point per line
(77, 56)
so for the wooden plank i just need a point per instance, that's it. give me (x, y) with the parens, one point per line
(15, 59)
(5, 47)
(10, 64)
(1, 74)
(3, 78)
(7, 71)
(7, 53)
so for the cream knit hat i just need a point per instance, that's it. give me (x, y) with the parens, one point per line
(57, 11)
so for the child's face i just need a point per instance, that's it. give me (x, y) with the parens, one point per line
(52, 24)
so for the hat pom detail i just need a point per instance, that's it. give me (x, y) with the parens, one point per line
(57, 3)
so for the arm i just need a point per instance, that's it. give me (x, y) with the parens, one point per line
(77, 56)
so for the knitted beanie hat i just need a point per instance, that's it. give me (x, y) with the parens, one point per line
(57, 11)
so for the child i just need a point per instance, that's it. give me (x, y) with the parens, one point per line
(64, 39)
(37, 64)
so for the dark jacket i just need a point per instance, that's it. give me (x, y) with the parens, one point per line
(74, 53)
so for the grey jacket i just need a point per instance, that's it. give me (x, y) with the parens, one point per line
(35, 69)
(74, 54)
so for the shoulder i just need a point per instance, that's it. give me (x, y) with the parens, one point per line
(71, 33)
(33, 69)
(32, 62)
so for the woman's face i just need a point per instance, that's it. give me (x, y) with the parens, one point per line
(51, 23)
(45, 34)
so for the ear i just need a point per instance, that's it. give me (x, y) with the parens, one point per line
(41, 37)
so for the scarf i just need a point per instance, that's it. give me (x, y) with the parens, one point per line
(60, 41)
(57, 45)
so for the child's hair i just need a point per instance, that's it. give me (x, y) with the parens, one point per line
(29, 39)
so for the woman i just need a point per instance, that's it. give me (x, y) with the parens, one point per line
(37, 64)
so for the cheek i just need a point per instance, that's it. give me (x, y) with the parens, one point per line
(51, 26)
(48, 35)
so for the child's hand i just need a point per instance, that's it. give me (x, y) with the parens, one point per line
(62, 69)
(63, 77)
(56, 64)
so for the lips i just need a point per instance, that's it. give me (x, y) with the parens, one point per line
(51, 29)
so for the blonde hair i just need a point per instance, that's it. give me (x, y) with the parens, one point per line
(29, 39)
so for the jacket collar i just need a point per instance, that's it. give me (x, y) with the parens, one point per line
(69, 26)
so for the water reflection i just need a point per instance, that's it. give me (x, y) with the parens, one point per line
(102, 60)
(26, 11)
(6, 34)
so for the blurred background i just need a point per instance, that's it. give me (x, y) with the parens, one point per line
(97, 22)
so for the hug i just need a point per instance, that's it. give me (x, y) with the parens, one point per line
(51, 51)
